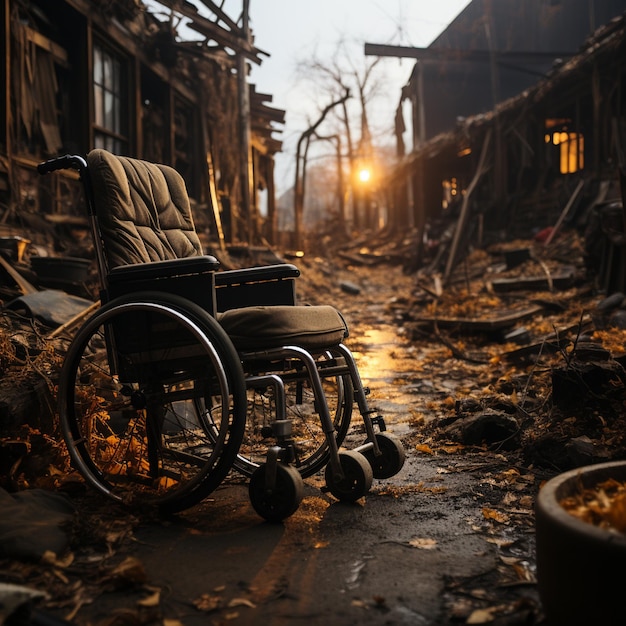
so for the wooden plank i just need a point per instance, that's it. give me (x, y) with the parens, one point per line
(24, 286)
(59, 53)
(483, 323)
(562, 279)
(565, 211)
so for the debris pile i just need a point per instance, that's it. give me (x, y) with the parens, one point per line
(525, 351)
(519, 382)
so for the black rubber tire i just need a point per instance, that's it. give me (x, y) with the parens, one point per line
(122, 417)
(357, 479)
(281, 501)
(391, 461)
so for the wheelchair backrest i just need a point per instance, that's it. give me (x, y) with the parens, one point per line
(142, 209)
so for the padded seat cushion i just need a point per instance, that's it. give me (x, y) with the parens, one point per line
(143, 210)
(266, 327)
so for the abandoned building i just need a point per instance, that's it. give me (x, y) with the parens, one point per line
(508, 125)
(553, 141)
(81, 74)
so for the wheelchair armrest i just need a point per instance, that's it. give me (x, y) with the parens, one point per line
(164, 269)
(279, 271)
(266, 285)
(191, 278)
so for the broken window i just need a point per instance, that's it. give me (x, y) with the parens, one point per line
(34, 90)
(110, 97)
(185, 142)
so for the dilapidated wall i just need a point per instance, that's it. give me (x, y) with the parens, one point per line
(81, 74)
(549, 155)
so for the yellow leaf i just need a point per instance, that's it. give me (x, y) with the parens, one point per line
(495, 515)
(50, 558)
(481, 616)
(130, 570)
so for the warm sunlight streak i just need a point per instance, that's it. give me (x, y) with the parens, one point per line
(365, 175)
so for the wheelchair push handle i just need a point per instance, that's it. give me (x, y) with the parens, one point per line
(66, 162)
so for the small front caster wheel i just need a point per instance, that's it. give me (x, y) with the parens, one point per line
(357, 477)
(392, 456)
(278, 499)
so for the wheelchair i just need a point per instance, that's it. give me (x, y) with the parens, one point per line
(186, 371)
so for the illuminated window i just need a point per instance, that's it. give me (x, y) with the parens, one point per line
(109, 91)
(450, 192)
(571, 146)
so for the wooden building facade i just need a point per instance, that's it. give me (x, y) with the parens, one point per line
(510, 169)
(81, 74)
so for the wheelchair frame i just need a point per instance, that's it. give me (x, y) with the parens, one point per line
(176, 390)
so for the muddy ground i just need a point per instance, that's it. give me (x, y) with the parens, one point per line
(448, 540)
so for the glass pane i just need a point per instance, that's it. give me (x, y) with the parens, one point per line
(115, 75)
(98, 105)
(581, 152)
(97, 65)
(109, 119)
(117, 114)
(108, 99)
(108, 72)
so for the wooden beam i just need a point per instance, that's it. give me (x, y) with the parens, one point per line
(456, 54)
(59, 53)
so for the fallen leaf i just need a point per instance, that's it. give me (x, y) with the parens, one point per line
(207, 602)
(152, 600)
(241, 602)
(481, 616)
(520, 566)
(423, 543)
(495, 516)
(424, 448)
(130, 570)
(50, 558)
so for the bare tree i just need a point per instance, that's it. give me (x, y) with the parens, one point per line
(343, 73)
(299, 186)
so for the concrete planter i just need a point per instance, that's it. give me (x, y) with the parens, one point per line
(581, 568)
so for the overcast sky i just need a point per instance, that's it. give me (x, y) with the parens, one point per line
(289, 30)
(294, 30)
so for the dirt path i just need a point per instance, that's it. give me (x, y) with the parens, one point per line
(449, 539)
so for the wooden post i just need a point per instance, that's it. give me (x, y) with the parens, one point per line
(460, 225)
(564, 212)
(245, 161)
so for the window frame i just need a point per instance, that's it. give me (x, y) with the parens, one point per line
(110, 86)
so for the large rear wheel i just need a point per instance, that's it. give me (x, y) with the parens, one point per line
(129, 392)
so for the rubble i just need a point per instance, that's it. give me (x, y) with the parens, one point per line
(491, 381)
